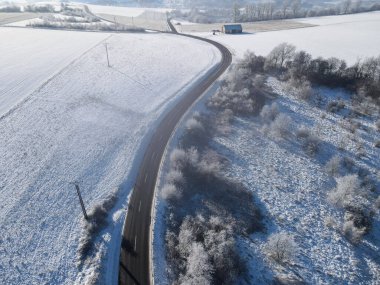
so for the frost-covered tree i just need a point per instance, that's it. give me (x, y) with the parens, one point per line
(177, 158)
(199, 269)
(281, 247)
(280, 56)
(333, 166)
(269, 112)
(170, 191)
(280, 127)
(347, 191)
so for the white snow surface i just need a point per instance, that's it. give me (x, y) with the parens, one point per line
(87, 123)
(349, 37)
(124, 11)
(291, 189)
(30, 57)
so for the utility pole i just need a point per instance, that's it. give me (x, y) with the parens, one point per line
(108, 60)
(81, 201)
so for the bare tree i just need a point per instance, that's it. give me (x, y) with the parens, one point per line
(281, 247)
(346, 5)
(284, 8)
(296, 7)
(280, 55)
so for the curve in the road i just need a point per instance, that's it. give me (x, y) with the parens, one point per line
(135, 247)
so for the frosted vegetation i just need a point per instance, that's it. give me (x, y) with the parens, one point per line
(246, 11)
(287, 165)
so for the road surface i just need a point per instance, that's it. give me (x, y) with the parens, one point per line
(135, 247)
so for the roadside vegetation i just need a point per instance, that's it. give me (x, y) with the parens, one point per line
(209, 211)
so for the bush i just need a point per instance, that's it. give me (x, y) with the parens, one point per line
(281, 247)
(280, 127)
(237, 101)
(346, 191)
(353, 233)
(311, 144)
(357, 201)
(170, 191)
(269, 112)
(97, 221)
(333, 166)
(377, 124)
(335, 106)
(305, 91)
(177, 158)
(259, 81)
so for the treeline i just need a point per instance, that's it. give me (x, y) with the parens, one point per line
(271, 10)
(290, 9)
(362, 78)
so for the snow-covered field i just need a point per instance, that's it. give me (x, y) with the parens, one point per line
(292, 188)
(87, 123)
(31, 57)
(349, 37)
(124, 11)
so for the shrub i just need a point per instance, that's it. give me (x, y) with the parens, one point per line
(346, 191)
(97, 221)
(259, 81)
(302, 133)
(280, 127)
(305, 91)
(269, 112)
(177, 158)
(377, 124)
(174, 176)
(335, 106)
(170, 191)
(353, 233)
(333, 166)
(237, 101)
(198, 268)
(281, 247)
(311, 144)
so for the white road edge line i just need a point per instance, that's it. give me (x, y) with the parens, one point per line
(135, 242)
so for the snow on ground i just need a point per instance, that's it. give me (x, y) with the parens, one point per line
(292, 186)
(124, 11)
(25, 69)
(89, 123)
(350, 38)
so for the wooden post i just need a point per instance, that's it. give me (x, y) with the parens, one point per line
(81, 202)
(108, 61)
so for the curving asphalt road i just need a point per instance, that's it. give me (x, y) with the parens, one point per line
(135, 247)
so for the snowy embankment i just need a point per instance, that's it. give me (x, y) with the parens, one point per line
(88, 123)
(349, 37)
(292, 188)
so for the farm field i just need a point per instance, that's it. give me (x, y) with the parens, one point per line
(25, 69)
(88, 123)
(7, 18)
(348, 37)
